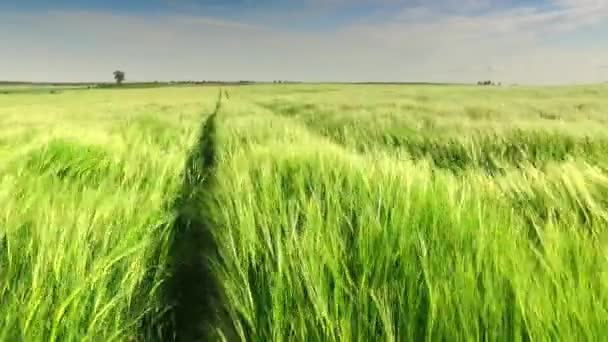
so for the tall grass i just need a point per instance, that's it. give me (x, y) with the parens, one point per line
(318, 243)
(317, 213)
(85, 221)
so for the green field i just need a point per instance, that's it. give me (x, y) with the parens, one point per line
(304, 213)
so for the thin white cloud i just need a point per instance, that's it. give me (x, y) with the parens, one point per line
(512, 44)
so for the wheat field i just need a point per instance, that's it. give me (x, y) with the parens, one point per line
(304, 213)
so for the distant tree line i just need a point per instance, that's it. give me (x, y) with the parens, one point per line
(120, 76)
(488, 83)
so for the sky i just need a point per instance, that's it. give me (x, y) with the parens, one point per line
(511, 41)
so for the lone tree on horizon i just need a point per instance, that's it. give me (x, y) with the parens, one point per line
(119, 76)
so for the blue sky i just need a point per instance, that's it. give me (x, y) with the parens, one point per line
(537, 41)
(328, 12)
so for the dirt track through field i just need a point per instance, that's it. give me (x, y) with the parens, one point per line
(192, 292)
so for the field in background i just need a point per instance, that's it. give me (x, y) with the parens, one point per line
(300, 212)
